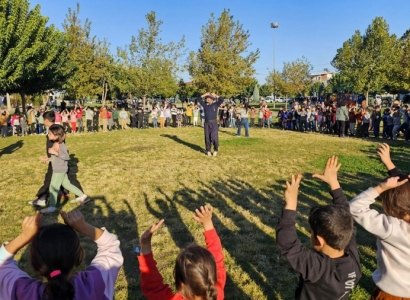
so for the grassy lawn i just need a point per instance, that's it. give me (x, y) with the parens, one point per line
(137, 177)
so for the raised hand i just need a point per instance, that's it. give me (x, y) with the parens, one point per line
(145, 239)
(390, 183)
(384, 152)
(203, 215)
(31, 225)
(330, 173)
(291, 192)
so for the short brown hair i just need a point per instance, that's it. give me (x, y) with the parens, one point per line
(396, 202)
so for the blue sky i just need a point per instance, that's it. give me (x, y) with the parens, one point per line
(311, 28)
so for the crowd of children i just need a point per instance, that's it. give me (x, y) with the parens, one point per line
(347, 119)
(330, 271)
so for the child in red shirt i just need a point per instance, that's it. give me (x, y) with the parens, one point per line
(206, 276)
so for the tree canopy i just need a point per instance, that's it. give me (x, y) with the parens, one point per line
(220, 65)
(152, 66)
(32, 55)
(367, 60)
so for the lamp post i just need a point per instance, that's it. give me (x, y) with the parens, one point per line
(274, 25)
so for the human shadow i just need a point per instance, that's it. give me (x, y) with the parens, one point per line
(123, 223)
(227, 132)
(251, 247)
(181, 234)
(314, 192)
(185, 143)
(400, 155)
(11, 148)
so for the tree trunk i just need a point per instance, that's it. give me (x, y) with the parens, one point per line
(104, 93)
(23, 101)
(44, 98)
(144, 100)
(8, 103)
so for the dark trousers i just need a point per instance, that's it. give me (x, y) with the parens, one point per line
(376, 128)
(89, 125)
(211, 136)
(174, 120)
(4, 130)
(188, 122)
(43, 192)
(365, 131)
(341, 126)
(133, 121)
(116, 124)
(96, 125)
(303, 125)
(140, 123)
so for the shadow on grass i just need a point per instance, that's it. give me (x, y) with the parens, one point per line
(314, 192)
(185, 143)
(183, 237)
(124, 224)
(11, 148)
(227, 132)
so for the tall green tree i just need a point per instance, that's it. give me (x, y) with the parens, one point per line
(340, 84)
(88, 57)
(32, 55)
(294, 79)
(223, 63)
(265, 90)
(152, 65)
(367, 60)
(399, 79)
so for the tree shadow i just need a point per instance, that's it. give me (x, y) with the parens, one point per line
(185, 143)
(11, 148)
(182, 236)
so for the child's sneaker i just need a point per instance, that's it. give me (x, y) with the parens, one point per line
(38, 202)
(215, 153)
(209, 153)
(81, 200)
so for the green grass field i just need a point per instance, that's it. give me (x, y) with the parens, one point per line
(138, 177)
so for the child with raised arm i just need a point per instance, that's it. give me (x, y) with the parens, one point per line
(333, 269)
(199, 273)
(392, 230)
(55, 251)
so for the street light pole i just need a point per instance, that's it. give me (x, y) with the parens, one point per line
(274, 25)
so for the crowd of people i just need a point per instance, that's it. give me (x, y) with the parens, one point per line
(330, 271)
(347, 119)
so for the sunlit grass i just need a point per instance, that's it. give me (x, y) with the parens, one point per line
(137, 177)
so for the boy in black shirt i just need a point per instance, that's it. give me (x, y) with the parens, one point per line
(333, 269)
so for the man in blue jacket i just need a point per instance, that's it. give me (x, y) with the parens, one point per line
(210, 103)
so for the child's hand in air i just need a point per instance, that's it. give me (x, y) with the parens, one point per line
(145, 239)
(31, 225)
(389, 183)
(330, 173)
(384, 152)
(204, 216)
(291, 192)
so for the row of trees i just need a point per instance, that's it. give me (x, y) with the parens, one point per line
(36, 57)
(375, 61)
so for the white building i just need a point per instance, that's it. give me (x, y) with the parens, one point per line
(323, 77)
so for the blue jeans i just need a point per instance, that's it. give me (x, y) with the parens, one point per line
(154, 122)
(232, 123)
(244, 122)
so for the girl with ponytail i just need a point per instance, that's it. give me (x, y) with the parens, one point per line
(55, 250)
(199, 273)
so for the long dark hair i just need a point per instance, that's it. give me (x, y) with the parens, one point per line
(56, 247)
(195, 267)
